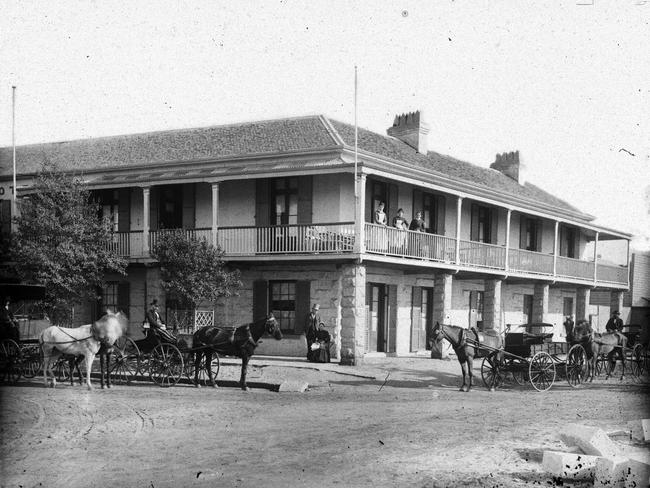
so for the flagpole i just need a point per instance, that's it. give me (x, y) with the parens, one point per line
(13, 144)
(356, 137)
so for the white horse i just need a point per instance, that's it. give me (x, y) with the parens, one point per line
(85, 341)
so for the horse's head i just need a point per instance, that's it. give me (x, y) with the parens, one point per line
(110, 327)
(582, 332)
(436, 332)
(272, 328)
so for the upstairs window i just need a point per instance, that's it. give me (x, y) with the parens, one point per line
(568, 241)
(284, 201)
(483, 224)
(531, 234)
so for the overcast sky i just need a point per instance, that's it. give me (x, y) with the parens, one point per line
(567, 85)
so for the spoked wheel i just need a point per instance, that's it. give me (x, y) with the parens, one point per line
(10, 361)
(518, 369)
(637, 361)
(126, 361)
(491, 371)
(62, 370)
(204, 379)
(165, 365)
(576, 365)
(32, 361)
(541, 371)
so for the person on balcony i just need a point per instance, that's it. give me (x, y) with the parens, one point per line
(417, 224)
(380, 215)
(399, 222)
(419, 248)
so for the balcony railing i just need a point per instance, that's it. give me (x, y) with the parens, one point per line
(339, 239)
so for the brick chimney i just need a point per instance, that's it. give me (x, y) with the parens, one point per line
(508, 163)
(408, 128)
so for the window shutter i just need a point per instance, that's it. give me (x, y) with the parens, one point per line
(188, 190)
(392, 318)
(369, 198)
(260, 299)
(124, 210)
(538, 235)
(303, 295)
(154, 197)
(123, 301)
(494, 225)
(522, 232)
(441, 208)
(474, 223)
(393, 203)
(416, 316)
(305, 198)
(262, 215)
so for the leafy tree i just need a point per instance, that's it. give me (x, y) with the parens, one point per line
(192, 270)
(60, 242)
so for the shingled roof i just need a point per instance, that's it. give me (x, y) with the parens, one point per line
(153, 148)
(311, 133)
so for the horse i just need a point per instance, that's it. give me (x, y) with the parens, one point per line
(86, 341)
(596, 344)
(465, 343)
(240, 342)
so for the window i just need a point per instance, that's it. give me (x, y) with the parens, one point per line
(568, 242)
(432, 208)
(282, 299)
(482, 223)
(531, 234)
(109, 207)
(170, 209)
(284, 201)
(110, 296)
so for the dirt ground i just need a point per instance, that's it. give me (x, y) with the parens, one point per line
(396, 422)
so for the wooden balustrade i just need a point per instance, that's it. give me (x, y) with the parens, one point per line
(339, 238)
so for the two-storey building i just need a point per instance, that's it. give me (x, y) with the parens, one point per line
(291, 202)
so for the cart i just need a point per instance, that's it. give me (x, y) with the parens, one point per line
(530, 356)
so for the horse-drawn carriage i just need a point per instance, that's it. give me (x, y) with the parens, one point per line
(166, 357)
(530, 355)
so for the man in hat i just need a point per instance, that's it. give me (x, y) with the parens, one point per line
(312, 326)
(568, 328)
(153, 316)
(614, 324)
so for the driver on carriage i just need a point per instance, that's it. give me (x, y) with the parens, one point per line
(615, 325)
(154, 326)
(8, 324)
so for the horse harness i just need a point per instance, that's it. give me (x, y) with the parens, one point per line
(74, 339)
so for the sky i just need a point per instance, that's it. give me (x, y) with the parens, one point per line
(565, 83)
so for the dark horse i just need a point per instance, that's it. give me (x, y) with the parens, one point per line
(465, 343)
(609, 345)
(240, 342)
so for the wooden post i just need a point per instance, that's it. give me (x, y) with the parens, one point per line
(359, 243)
(596, 259)
(215, 212)
(459, 206)
(145, 220)
(555, 248)
(507, 264)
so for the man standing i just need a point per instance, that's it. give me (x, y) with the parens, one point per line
(568, 327)
(312, 326)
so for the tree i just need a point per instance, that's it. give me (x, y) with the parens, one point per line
(61, 242)
(192, 270)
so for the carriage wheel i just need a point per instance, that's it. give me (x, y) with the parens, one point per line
(491, 371)
(541, 371)
(10, 361)
(576, 365)
(204, 379)
(62, 370)
(518, 370)
(32, 361)
(637, 360)
(165, 365)
(126, 361)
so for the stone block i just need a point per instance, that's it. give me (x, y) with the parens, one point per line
(611, 472)
(293, 386)
(592, 440)
(645, 424)
(569, 465)
(638, 474)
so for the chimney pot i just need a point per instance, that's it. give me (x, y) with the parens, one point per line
(509, 164)
(410, 129)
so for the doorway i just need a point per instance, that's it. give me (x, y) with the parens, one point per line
(378, 335)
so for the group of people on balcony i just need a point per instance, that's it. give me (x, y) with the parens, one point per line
(399, 221)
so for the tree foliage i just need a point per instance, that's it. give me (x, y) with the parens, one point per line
(193, 270)
(61, 242)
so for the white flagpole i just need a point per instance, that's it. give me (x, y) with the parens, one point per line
(356, 136)
(13, 143)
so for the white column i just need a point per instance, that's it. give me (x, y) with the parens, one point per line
(555, 247)
(628, 263)
(145, 220)
(507, 267)
(215, 212)
(596, 258)
(459, 206)
(359, 243)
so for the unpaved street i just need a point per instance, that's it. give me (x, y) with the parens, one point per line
(411, 429)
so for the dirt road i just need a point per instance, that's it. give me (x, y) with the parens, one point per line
(398, 423)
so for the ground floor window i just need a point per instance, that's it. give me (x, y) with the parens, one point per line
(114, 297)
(282, 300)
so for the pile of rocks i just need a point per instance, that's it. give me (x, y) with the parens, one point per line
(592, 455)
